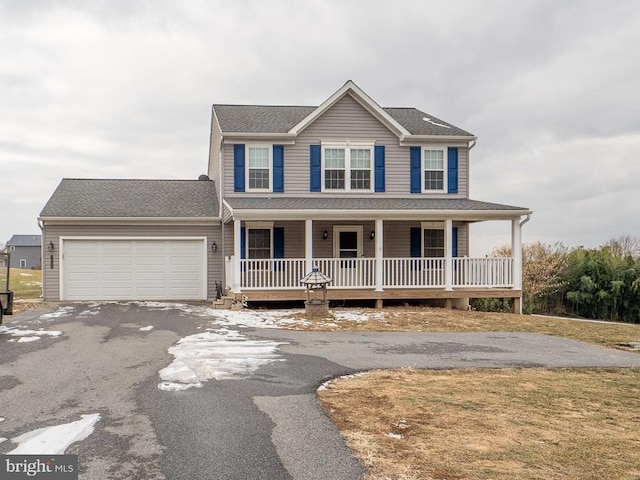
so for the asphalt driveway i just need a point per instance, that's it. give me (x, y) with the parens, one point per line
(179, 392)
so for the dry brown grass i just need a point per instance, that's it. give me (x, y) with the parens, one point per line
(491, 424)
(420, 319)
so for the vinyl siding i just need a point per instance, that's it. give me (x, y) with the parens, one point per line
(54, 232)
(396, 238)
(214, 155)
(348, 120)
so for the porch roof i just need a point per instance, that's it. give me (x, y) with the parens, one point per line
(387, 208)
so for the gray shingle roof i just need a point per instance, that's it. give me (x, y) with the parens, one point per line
(280, 119)
(377, 204)
(25, 241)
(259, 118)
(414, 120)
(133, 198)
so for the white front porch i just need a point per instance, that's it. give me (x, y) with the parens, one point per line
(362, 273)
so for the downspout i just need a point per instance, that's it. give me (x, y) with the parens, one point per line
(525, 220)
(42, 262)
(472, 144)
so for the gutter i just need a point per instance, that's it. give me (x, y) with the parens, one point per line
(525, 220)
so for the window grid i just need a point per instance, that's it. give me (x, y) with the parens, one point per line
(433, 243)
(259, 243)
(259, 168)
(433, 169)
(347, 169)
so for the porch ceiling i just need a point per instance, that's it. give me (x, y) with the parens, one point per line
(321, 207)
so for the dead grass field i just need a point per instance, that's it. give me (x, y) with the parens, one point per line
(491, 424)
(420, 319)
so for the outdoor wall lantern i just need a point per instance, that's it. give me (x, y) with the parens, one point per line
(325, 235)
(214, 247)
(373, 235)
(50, 247)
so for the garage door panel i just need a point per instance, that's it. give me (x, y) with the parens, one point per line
(113, 269)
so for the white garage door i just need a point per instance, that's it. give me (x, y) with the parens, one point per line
(133, 269)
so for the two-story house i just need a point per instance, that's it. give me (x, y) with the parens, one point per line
(24, 251)
(377, 198)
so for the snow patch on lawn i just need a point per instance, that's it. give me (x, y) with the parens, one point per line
(220, 354)
(395, 435)
(326, 385)
(258, 318)
(27, 335)
(54, 440)
(147, 328)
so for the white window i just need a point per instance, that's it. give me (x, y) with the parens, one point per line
(434, 167)
(12, 248)
(347, 167)
(433, 243)
(23, 263)
(259, 167)
(259, 240)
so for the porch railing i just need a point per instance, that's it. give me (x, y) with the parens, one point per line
(483, 272)
(413, 272)
(286, 273)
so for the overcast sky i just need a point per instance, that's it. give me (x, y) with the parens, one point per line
(123, 89)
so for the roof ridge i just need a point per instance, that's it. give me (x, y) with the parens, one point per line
(261, 105)
(134, 179)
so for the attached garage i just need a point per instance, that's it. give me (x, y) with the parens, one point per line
(132, 240)
(132, 269)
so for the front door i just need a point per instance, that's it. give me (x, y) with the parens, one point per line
(347, 246)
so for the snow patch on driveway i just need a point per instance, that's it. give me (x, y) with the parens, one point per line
(27, 335)
(220, 354)
(54, 440)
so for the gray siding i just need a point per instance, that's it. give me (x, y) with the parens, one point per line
(31, 255)
(397, 238)
(52, 233)
(214, 156)
(348, 120)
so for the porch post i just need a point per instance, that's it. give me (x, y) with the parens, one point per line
(516, 251)
(448, 254)
(379, 255)
(308, 244)
(237, 255)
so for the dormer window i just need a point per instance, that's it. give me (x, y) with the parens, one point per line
(347, 167)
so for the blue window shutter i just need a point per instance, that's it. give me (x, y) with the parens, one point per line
(452, 167)
(454, 242)
(243, 242)
(416, 174)
(238, 168)
(278, 168)
(379, 168)
(416, 241)
(278, 242)
(316, 169)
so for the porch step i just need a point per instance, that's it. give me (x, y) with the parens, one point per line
(223, 303)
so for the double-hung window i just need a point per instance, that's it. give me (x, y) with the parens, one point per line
(347, 167)
(434, 167)
(259, 167)
(433, 242)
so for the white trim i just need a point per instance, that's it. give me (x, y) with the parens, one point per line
(367, 102)
(269, 148)
(347, 146)
(131, 220)
(417, 140)
(258, 226)
(347, 228)
(62, 239)
(423, 168)
(361, 214)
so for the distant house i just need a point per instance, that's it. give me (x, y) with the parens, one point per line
(25, 251)
(377, 198)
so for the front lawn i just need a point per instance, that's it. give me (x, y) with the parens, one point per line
(26, 284)
(507, 424)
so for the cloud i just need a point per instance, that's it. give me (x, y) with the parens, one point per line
(123, 89)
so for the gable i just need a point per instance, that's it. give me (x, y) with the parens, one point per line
(348, 119)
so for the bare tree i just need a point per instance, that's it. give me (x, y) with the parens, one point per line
(624, 245)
